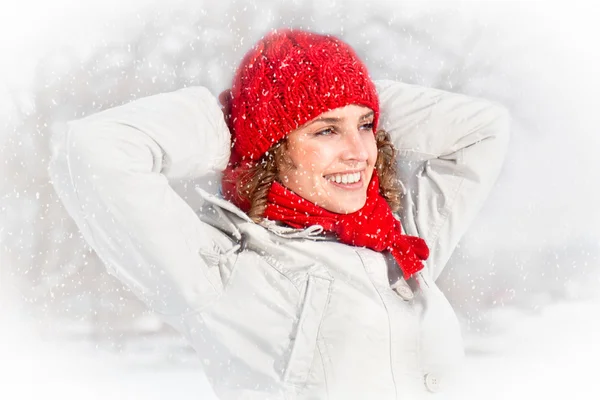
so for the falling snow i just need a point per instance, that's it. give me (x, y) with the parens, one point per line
(524, 280)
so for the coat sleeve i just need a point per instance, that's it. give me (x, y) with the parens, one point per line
(112, 169)
(451, 149)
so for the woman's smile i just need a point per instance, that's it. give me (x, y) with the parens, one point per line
(331, 159)
(346, 181)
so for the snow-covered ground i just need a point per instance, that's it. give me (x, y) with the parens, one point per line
(551, 355)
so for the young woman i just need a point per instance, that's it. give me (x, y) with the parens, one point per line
(296, 280)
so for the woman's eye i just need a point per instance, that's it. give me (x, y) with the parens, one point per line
(368, 126)
(324, 132)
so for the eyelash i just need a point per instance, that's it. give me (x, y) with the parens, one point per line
(368, 126)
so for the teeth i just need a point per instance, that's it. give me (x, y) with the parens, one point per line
(345, 178)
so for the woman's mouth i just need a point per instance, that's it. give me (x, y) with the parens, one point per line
(351, 180)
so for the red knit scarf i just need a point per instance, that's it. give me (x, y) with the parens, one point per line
(373, 226)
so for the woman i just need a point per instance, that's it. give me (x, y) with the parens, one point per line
(295, 280)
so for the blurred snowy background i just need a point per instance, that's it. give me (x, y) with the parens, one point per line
(525, 279)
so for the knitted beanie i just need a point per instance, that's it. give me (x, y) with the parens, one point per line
(289, 78)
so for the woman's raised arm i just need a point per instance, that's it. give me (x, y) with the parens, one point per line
(112, 171)
(450, 152)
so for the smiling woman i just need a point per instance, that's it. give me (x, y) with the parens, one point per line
(328, 161)
(332, 159)
(296, 279)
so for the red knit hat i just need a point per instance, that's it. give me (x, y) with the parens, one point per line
(289, 78)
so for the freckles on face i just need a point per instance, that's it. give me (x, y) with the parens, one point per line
(331, 159)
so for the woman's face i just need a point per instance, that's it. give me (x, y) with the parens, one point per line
(330, 160)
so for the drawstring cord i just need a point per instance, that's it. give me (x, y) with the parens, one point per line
(216, 257)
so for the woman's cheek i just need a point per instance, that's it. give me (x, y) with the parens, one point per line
(371, 145)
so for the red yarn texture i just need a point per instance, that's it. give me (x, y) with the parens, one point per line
(373, 226)
(289, 78)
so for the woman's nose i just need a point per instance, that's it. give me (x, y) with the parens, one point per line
(354, 146)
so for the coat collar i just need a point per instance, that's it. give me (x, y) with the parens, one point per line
(314, 232)
(219, 201)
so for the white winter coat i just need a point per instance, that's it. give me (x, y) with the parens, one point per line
(276, 312)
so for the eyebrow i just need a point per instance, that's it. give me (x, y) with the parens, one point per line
(367, 116)
(332, 120)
